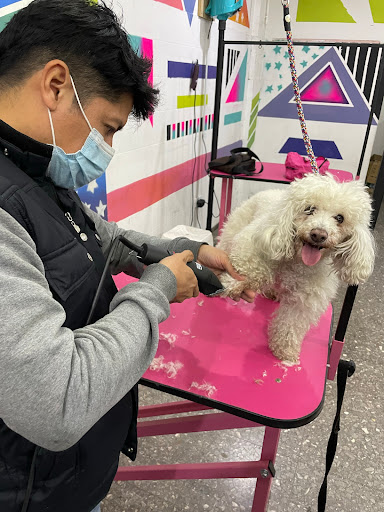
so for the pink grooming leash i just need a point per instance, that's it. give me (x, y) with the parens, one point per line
(296, 89)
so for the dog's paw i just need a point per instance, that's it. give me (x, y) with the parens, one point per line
(288, 351)
(270, 294)
(287, 358)
(290, 363)
(232, 287)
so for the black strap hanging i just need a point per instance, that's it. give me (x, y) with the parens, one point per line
(242, 161)
(345, 369)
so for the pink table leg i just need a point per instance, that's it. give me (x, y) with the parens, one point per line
(223, 203)
(264, 482)
(334, 358)
(203, 423)
(229, 199)
(204, 471)
(147, 411)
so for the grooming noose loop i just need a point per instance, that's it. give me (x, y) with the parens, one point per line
(296, 88)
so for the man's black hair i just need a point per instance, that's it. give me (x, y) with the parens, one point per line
(89, 38)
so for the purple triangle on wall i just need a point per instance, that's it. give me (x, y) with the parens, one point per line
(357, 112)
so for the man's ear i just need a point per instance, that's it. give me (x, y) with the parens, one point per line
(56, 84)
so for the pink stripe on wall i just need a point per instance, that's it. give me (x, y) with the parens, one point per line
(137, 196)
(133, 198)
(147, 51)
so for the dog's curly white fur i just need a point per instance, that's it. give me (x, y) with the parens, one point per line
(294, 246)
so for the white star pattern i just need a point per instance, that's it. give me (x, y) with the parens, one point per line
(87, 205)
(92, 186)
(94, 195)
(101, 208)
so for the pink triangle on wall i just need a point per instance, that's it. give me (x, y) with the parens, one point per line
(172, 3)
(325, 89)
(234, 94)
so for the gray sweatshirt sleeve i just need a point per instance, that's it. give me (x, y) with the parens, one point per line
(124, 260)
(56, 383)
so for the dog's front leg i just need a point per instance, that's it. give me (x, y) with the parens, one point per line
(287, 329)
(257, 277)
(233, 288)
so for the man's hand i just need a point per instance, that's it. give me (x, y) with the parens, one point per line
(187, 286)
(218, 261)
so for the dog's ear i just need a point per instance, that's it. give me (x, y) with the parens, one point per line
(354, 258)
(277, 240)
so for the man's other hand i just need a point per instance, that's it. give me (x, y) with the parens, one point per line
(187, 286)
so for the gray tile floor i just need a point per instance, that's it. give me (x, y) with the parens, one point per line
(356, 483)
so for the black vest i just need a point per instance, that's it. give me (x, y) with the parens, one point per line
(77, 479)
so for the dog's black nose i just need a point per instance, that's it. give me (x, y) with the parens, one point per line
(319, 235)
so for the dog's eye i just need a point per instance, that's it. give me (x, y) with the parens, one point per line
(310, 210)
(339, 218)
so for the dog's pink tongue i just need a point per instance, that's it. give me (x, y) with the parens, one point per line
(310, 255)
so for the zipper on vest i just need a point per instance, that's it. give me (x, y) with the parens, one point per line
(72, 222)
(83, 236)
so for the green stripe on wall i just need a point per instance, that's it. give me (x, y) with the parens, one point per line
(329, 11)
(377, 8)
(189, 101)
(255, 100)
(232, 118)
(253, 115)
(252, 128)
(4, 20)
(251, 140)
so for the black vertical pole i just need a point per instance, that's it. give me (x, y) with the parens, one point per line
(376, 99)
(216, 119)
(378, 195)
(345, 313)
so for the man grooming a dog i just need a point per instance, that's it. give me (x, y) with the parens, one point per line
(69, 79)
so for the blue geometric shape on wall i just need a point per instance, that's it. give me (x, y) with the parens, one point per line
(283, 105)
(94, 195)
(184, 70)
(190, 7)
(325, 148)
(235, 117)
(3, 3)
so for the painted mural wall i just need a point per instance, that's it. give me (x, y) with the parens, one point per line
(159, 170)
(337, 84)
(349, 20)
(159, 173)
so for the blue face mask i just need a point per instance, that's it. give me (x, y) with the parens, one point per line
(74, 170)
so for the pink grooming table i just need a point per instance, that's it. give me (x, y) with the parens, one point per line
(273, 173)
(214, 351)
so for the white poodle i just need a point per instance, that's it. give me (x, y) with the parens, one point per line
(294, 245)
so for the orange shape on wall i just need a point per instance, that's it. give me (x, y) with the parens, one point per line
(242, 16)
